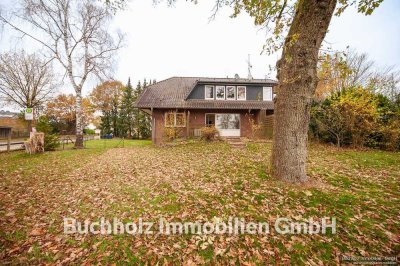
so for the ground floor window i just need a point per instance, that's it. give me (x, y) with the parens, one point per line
(227, 124)
(174, 119)
(223, 121)
(210, 120)
(227, 121)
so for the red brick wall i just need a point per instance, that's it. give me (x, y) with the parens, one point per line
(197, 120)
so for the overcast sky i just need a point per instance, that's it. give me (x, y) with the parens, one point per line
(166, 41)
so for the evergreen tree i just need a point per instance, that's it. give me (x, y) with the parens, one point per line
(105, 124)
(142, 121)
(127, 112)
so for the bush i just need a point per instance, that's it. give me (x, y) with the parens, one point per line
(172, 133)
(51, 142)
(357, 117)
(43, 125)
(88, 131)
(209, 133)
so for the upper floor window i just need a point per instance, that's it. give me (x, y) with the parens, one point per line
(220, 92)
(230, 92)
(267, 93)
(241, 92)
(209, 92)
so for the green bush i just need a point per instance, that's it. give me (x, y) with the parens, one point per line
(43, 125)
(51, 141)
(88, 131)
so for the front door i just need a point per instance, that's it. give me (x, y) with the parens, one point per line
(228, 125)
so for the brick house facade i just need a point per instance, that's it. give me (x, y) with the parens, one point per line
(189, 104)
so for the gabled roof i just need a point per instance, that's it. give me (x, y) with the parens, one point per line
(173, 93)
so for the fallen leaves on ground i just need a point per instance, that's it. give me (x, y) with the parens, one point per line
(189, 183)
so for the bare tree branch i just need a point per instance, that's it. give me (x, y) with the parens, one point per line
(74, 33)
(25, 80)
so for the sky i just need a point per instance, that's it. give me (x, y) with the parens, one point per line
(164, 41)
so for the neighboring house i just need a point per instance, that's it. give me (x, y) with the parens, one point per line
(13, 120)
(192, 103)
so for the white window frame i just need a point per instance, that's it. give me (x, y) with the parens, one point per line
(267, 97)
(234, 92)
(205, 92)
(237, 93)
(216, 94)
(215, 119)
(174, 113)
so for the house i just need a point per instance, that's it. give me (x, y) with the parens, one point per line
(13, 120)
(190, 103)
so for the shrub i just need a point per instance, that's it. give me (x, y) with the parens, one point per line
(254, 127)
(88, 131)
(51, 141)
(209, 133)
(43, 125)
(172, 133)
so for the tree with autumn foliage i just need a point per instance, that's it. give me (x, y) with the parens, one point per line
(106, 98)
(61, 112)
(118, 114)
(344, 69)
(358, 117)
(356, 102)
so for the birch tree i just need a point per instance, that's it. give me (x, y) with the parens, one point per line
(75, 34)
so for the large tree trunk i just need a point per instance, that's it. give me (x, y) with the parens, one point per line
(79, 126)
(297, 75)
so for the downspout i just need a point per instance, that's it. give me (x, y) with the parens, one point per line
(153, 127)
(187, 125)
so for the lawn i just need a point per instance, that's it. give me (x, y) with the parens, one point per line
(197, 181)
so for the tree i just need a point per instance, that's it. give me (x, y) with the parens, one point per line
(328, 117)
(351, 112)
(26, 80)
(61, 112)
(142, 120)
(351, 69)
(359, 110)
(106, 98)
(75, 34)
(333, 74)
(298, 27)
(128, 112)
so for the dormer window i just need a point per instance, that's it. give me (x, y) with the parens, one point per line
(231, 92)
(241, 92)
(209, 92)
(267, 94)
(220, 92)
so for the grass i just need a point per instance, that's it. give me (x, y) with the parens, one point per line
(197, 181)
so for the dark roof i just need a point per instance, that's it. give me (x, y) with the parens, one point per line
(173, 93)
(8, 114)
